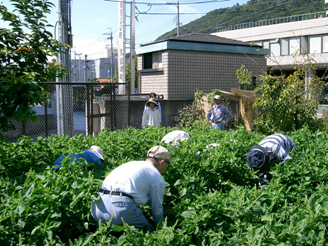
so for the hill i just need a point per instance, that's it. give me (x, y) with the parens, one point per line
(254, 10)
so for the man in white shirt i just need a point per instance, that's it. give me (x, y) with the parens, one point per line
(130, 185)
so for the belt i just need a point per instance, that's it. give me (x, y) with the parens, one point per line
(114, 193)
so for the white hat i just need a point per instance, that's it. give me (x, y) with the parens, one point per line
(217, 97)
(160, 153)
(175, 136)
(97, 151)
(151, 101)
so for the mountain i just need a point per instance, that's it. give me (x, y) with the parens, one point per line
(252, 11)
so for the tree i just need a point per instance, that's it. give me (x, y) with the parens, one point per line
(288, 103)
(25, 49)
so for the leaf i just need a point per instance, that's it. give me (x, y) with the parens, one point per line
(72, 204)
(117, 228)
(182, 192)
(301, 224)
(29, 191)
(187, 213)
(257, 210)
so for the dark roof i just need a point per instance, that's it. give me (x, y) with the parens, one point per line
(204, 38)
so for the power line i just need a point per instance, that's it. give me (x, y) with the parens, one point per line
(173, 3)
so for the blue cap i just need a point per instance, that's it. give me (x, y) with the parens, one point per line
(258, 158)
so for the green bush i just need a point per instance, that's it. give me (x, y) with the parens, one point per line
(211, 198)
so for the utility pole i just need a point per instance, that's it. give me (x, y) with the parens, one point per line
(177, 17)
(79, 67)
(132, 48)
(86, 66)
(64, 99)
(111, 38)
(75, 66)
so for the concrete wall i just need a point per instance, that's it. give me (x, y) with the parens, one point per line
(169, 110)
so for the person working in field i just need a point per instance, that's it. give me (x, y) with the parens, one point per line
(93, 155)
(217, 113)
(130, 185)
(270, 151)
(175, 136)
(153, 96)
(151, 115)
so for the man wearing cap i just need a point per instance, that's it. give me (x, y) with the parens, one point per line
(270, 151)
(93, 155)
(217, 113)
(151, 115)
(130, 185)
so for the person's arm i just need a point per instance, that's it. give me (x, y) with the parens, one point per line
(156, 201)
(158, 117)
(144, 118)
(159, 108)
(208, 116)
(228, 114)
(282, 155)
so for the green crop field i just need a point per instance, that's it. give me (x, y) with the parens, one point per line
(211, 199)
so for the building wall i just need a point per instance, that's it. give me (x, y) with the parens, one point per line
(184, 72)
(154, 80)
(305, 28)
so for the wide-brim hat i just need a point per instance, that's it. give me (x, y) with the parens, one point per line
(97, 151)
(160, 153)
(258, 158)
(151, 101)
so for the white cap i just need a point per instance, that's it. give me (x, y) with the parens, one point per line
(97, 151)
(217, 97)
(160, 153)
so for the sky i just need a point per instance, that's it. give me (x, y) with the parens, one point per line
(93, 20)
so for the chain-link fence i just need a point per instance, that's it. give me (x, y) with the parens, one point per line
(77, 108)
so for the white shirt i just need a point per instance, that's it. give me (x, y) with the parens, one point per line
(142, 181)
(175, 136)
(157, 107)
(151, 117)
(278, 145)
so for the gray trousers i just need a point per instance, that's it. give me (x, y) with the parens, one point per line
(118, 207)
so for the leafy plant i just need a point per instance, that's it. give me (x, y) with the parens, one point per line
(24, 65)
(287, 104)
(244, 77)
(211, 198)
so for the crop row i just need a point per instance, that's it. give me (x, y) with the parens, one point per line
(211, 199)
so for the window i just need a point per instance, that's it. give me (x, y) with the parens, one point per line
(147, 61)
(315, 44)
(284, 47)
(294, 46)
(275, 47)
(266, 44)
(153, 60)
(325, 43)
(304, 44)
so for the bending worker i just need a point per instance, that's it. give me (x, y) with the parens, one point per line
(130, 185)
(93, 155)
(270, 151)
(216, 115)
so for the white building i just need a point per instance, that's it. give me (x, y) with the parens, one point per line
(288, 39)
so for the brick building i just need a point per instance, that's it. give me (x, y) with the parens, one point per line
(178, 66)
